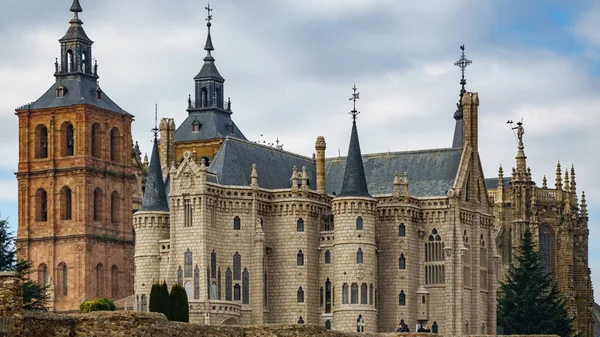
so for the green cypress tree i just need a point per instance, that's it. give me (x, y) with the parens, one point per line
(165, 300)
(180, 310)
(530, 303)
(155, 303)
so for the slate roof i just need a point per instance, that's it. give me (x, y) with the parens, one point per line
(430, 172)
(209, 70)
(354, 183)
(213, 124)
(233, 165)
(80, 89)
(155, 197)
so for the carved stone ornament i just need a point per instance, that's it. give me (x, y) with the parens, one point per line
(186, 180)
(448, 251)
(187, 155)
(360, 273)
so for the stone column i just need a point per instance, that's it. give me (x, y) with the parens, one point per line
(11, 301)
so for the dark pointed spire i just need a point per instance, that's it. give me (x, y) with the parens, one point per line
(462, 63)
(155, 198)
(208, 46)
(76, 7)
(76, 31)
(209, 70)
(355, 183)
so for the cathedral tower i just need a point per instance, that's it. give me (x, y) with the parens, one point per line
(75, 182)
(355, 248)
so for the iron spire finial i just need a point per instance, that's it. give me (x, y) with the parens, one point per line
(355, 96)
(208, 16)
(462, 63)
(155, 129)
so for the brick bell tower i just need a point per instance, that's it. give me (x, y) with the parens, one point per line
(75, 182)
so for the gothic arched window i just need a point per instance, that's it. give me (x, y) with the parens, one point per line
(114, 282)
(98, 205)
(99, 280)
(363, 293)
(300, 258)
(144, 303)
(545, 239)
(402, 298)
(327, 257)
(187, 263)
(300, 225)
(197, 283)
(62, 278)
(371, 294)
(188, 289)
(359, 223)
(434, 327)
(115, 207)
(354, 293)
(180, 276)
(236, 292)
(245, 287)
(237, 266)
(360, 324)
(401, 230)
(43, 275)
(67, 139)
(345, 293)
(96, 140)
(237, 223)
(228, 284)
(41, 141)
(115, 144)
(300, 295)
(402, 262)
(213, 264)
(41, 205)
(359, 256)
(328, 324)
(66, 200)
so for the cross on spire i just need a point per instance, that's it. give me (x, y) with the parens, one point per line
(355, 96)
(155, 129)
(462, 63)
(208, 16)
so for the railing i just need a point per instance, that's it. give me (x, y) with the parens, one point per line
(6, 326)
(224, 105)
(544, 195)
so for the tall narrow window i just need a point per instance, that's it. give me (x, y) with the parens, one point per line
(41, 205)
(327, 257)
(321, 297)
(402, 298)
(237, 266)
(363, 293)
(98, 204)
(245, 287)
(359, 223)
(65, 203)
(180, 276)
(196, 283)
(67, 139)
(96, 140)
(545, 239)
(354, 293)
(228, 284)
(300, 258)
(114, 282)
(99, 280)
(42, 142)
(115, 144)
(300, 295)
(62, 278)
(187, 212)
(345, 293)
(144, 303)
(328, 324)
(265, 288)
(360, 324)
(213, 290)
(402, 262)
(237, 223)
(236, 292)
(359, 256)
(434, 327)
(371, 294)
(401, 230)
(188, 289)
(300, 225)
(115, 207)
(328, 296)
(204, 97)
(43, 275)
(187, 263)
(219, 284)
(213, 264)
(70, 61)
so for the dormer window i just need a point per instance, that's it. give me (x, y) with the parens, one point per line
(230, 127)
(98, 93)
(60, 91)
(195, 126)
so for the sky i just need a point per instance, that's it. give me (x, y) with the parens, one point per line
(290, 65)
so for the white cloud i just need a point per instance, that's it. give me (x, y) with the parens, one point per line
(8, 190)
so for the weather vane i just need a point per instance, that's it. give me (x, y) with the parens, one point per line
(355, 96)
(519, 128)
(208, 16)
(462, 63)
(155, 129)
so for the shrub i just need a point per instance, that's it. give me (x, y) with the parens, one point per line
(165, 300)
(154, 298)
(99, 304)
(180, 310)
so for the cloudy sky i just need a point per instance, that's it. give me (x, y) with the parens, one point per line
(290, 65)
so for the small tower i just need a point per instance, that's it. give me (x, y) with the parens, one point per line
(151, 224)
(355, 216)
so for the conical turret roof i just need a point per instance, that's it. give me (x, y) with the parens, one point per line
(355, 183)
(155, 198)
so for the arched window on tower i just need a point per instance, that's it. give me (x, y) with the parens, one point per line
(402, 262)
(363, 293)
(228, 284)
(115, 207)
(114, 282)
(300, 225)
(360, 324)
(197, 283)
(41, 141)
(327, 257)
(213, 264)
(84, 62)
(41, 205)
(545, 239)
(62, 278)
(187, 263)
(98, 205)
(96, 140)
(43, 275)
(189, 290)
(237, 223)
(354, 293)
(327, 296)
(180, 276)
(204, 97)
(237, 266)
(115, 144)
(236, 292)
(345, 293)
(66, 203)
(359, 223)
(245, 287)
(70, 61)
(401, 230)
(67, 139)
(359, 256)
(144, 306)
(300, 295)
(99, 280)
(300, 258)
(402, 298)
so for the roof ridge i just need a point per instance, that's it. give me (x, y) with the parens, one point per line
(377, 154)
(268, 147)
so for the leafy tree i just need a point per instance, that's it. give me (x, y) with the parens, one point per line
(180, 310)
(530, 303)
(99, 304)
(165, 300)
